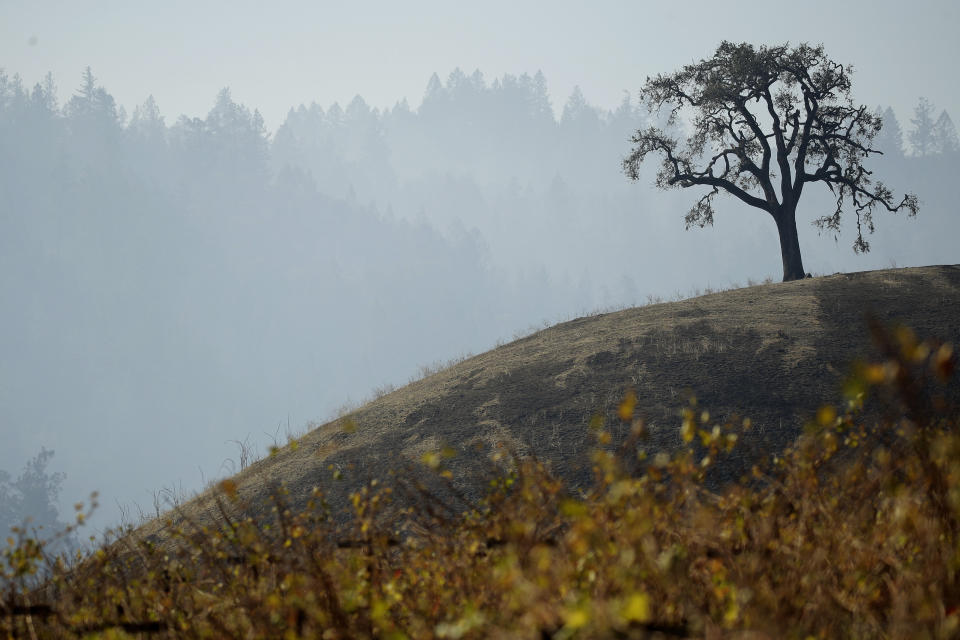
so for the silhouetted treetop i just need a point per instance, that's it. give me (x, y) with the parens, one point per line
(766, 121)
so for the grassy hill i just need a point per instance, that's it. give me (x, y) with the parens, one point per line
(774, 353)
(853, 531)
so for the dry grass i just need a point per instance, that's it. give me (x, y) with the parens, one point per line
(853, 531)
(849, 532)
(776, 351)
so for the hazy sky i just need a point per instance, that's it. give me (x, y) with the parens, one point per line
(275, 55)
(235, 365)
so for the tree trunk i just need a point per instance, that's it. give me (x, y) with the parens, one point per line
(789, 245)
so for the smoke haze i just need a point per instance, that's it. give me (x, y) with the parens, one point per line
(172, 284)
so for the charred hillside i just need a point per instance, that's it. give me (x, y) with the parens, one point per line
(773, 353)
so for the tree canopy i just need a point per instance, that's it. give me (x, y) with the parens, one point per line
(30, 500)
(765, 122)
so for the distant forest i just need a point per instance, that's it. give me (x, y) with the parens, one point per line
(204, 278)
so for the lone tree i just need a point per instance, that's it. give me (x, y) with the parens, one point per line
(765, 122)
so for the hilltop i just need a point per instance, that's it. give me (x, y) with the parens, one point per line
(850, 532)
(773, 353)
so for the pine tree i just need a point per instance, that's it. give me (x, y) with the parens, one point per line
(93, 109)
(922, 137)
(44, 96)
(890, 138)
(575, 106)
(147, 121)
(541, 98)
(945, 134)
(435, 99)
(31, 500)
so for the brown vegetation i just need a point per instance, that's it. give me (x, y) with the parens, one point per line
(851, 531)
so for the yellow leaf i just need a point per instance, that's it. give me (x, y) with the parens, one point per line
(920, 352)
(431, 459)
(625, 411)
(637, 608)
(875, 374)
(573, 509)
(732, 613)
(826, 415)
(379, 610)
(578, 618)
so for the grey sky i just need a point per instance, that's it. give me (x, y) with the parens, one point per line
(279, 54)
(142, 368)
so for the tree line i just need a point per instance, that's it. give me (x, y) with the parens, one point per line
(184, 283)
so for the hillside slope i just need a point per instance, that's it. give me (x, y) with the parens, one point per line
(773, 352)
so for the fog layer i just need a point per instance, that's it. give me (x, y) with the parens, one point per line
(170, 287)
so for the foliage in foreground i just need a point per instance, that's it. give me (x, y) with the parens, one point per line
(852, 532)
